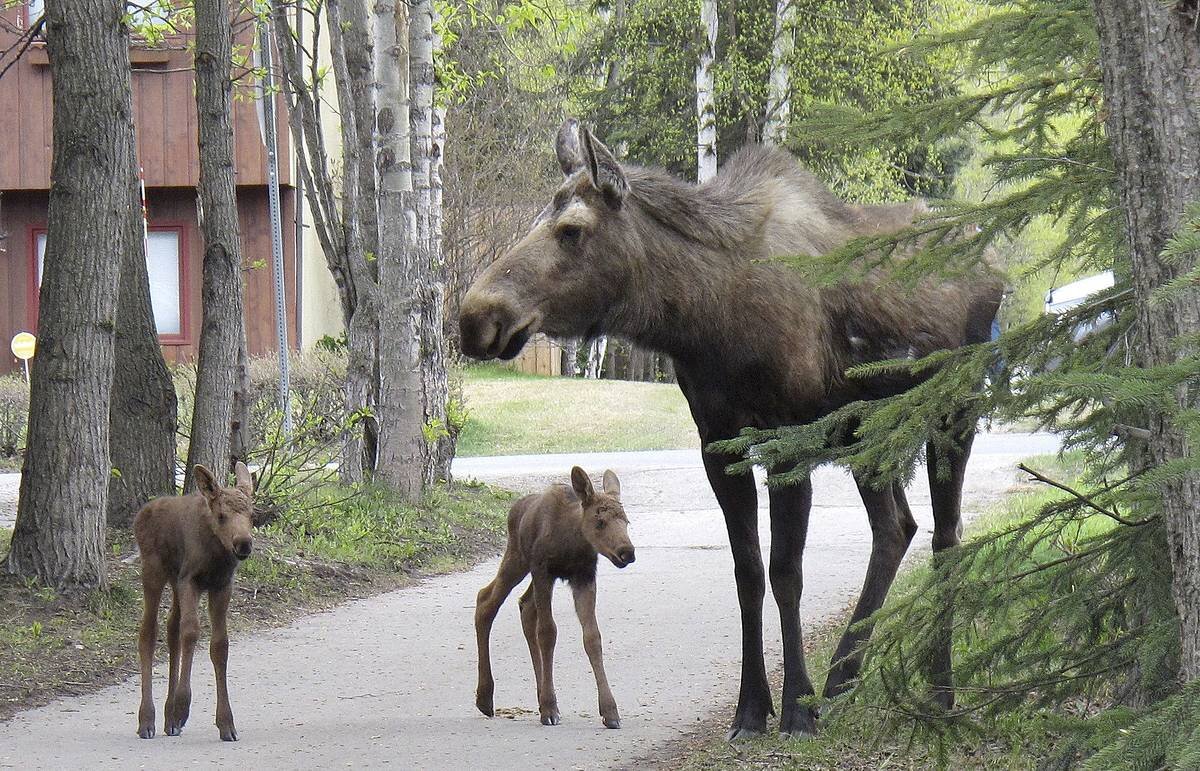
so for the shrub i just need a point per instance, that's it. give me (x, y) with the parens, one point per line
(14, 412)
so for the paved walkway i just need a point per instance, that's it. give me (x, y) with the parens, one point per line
(389, 681)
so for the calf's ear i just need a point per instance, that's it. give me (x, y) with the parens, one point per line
(583, 485)
(206, 483)
(245, 482)
(612, 485)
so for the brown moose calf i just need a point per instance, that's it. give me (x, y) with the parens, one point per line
(557, 534)
(194, 543)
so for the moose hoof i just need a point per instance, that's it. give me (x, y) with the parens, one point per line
(798, 721)
(485, 706)
(551, 718)
(612, 722)
(742, 734)
(146, 732)
(229, 734)
(173, 729)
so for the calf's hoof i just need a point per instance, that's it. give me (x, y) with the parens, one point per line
(173, 729)
(146, 731)
(484, 705)
(551, 717)
(750, 719)
(228, 734)
(612, 722)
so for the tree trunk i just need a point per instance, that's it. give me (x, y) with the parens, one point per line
(142, 413)
(429, 269)
(60, 528)
(222, 332)
(1150, 62)
(779, 102)
(401, 407)
(706, 113)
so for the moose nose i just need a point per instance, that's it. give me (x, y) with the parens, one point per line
(242, 548)
(486, 325)
(626, 555)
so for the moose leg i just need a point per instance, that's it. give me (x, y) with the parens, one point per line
(529, 617)
(173, 657)
(946, 472)
(152, 589)
(790, 508)
(890, 537)
(739, 502)
(487, 605)
(585, 609)
(547, 636)
(218, 651)
(179, 707)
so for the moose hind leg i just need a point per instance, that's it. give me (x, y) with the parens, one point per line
(790, 508)
(152, 590)
(547, 637)
(739, 503)
(889, 540)
(487, 605)
(947, 469)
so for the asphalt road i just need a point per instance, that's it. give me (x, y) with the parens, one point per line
(389, 681)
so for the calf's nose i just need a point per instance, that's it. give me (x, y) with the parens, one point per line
(242, 547)
(626, 555)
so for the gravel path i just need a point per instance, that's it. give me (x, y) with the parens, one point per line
(389, 681)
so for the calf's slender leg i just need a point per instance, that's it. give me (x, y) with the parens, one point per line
(889, 541)
(547, 636)
(189, 632)
(218, 650)
(173, 656)
(947, 470)
(585, 609)
(738, 499)
(487, 605)
(790, 507)
(529, 616)
(152, 589)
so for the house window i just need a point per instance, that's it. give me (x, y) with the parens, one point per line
(163, 264)
(33, 11)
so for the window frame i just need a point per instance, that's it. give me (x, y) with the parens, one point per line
(183, 337)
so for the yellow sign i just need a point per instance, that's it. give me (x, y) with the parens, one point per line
(24, 345)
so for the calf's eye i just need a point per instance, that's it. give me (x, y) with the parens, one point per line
(568, 235)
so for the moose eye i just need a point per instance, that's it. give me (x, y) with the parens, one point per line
(599, 523)
(221, 518)
(568, 235)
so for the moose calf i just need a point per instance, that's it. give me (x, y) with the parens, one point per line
(195, 543)
(556, 534)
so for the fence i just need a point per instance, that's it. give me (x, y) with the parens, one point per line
(541, 356)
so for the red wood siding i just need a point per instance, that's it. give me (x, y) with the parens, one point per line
(22, 214)
(164, 116)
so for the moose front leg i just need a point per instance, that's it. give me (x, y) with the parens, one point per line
(547, 637)
(179, 701)
(218, 650)
(790, 507)
(147, 639)
(585, 609)
(739, 502)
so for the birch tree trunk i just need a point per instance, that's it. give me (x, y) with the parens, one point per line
(779, 102)
(1150, 64)
(428, 269)
(60, 528)
(706, 114)
(220, 365)
(401, 412)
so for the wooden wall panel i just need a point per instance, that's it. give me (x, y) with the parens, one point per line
(164, 116)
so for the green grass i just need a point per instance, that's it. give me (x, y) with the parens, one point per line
(336, 547)
(510, 413)
(847, 742)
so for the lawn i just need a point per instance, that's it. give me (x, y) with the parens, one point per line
(509, 413)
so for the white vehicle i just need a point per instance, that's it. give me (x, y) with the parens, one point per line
(1064, 298)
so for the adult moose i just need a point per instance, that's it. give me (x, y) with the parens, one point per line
(682, 270)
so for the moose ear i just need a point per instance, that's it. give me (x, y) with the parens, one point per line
(567, 148)
(206, 483)
(583, 485)
(612, 485)
(245, 482)
(605, 171)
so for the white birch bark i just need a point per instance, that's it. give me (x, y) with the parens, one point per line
(779, 102)
(706, 114)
